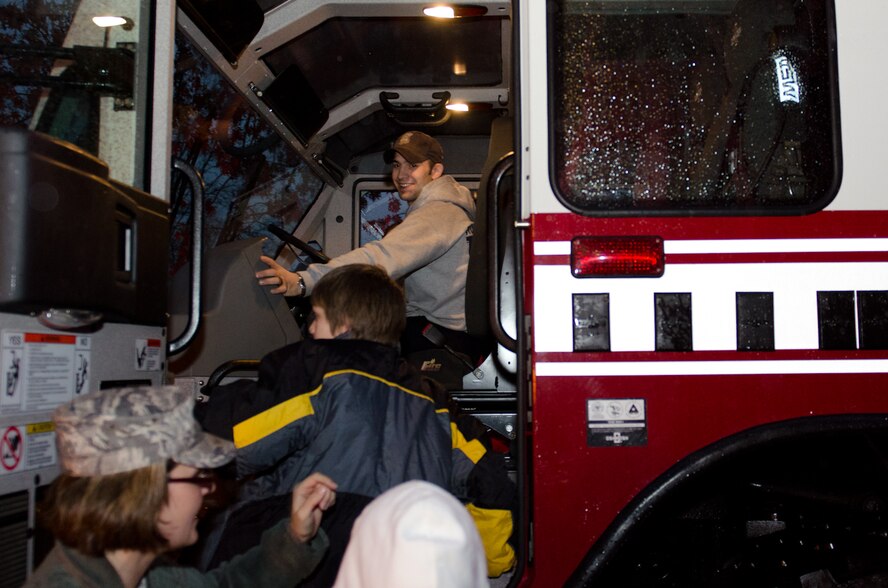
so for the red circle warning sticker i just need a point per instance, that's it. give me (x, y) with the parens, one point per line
(11, 448)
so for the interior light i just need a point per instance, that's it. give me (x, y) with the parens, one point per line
(467, 106)
(113, 21)
(439, 12)
(601, 257)
(454, 10)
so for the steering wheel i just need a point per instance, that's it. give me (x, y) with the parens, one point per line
(300, 307)
(315, 255)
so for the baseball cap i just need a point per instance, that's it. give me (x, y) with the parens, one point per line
(415, 147)
(123, 429)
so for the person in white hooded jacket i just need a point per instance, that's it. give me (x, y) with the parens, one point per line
(414, 535)
(429, 249)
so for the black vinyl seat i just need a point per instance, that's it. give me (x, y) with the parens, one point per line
(479, 272)
(489, 392)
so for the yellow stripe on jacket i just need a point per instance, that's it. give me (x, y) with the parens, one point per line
(291, 410)
(473, 449)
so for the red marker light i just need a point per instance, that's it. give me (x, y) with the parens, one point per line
(608, 257)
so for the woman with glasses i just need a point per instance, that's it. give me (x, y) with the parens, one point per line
(135, 472)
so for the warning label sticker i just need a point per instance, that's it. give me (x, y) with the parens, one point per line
(42, 370)
(616, 422)
(148, 354)
(40, 447)
(12, 447)
(27, 447)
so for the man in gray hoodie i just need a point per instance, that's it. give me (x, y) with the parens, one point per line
(429, 249)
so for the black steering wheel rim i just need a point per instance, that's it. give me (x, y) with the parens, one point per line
(315, 255)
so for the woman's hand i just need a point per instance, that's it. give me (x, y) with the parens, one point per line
(311, 497)
(284, 282)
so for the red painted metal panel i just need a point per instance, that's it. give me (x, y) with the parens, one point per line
(578, 489)
(800, 257)
(823, 225)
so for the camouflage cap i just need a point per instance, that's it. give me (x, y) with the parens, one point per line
(120, 430)
(415, 147)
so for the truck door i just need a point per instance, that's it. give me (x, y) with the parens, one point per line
(701, 281)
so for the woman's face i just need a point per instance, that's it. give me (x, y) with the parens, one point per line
(177, 522)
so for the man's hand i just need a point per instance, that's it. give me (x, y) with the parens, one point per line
(284, 282)
(311, 497)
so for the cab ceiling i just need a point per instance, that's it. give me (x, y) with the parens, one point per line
(348, 53)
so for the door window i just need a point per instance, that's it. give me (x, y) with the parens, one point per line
(711, 106)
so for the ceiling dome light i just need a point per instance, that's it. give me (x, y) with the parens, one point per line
(439, 12)
(454, 10)
(469, 106)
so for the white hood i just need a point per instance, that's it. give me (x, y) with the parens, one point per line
(415, 535)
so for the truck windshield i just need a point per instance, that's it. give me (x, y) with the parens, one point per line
(711, 106)
(252, 177)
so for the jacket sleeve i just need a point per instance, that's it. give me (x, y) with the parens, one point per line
(425, 235)
(480, 479)
(266, 418)
(266, 438)
(231, 403)
(279, 560)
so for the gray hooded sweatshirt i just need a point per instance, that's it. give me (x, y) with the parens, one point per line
(429, 249)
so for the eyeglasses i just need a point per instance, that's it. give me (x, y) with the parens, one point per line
(204, 479)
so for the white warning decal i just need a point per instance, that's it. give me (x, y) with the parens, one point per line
(614, 422)
(42, 370)
(148, 354)
(40, 447)
(12, 446)
(27, 447)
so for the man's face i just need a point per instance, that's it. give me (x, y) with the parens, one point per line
(411, 178)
